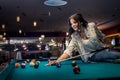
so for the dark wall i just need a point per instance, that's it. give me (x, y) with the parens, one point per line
(113, 30)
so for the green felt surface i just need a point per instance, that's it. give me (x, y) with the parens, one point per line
(88, 71)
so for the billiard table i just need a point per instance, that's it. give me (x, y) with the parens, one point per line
(90, 71)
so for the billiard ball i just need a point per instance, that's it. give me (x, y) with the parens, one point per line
(27, 60)
(36, 65)
(74, 63)
(76, 69)
(33, 60)
(37, 62)
(58, 65)
(17, 64)
(32, 64)
(23, 65)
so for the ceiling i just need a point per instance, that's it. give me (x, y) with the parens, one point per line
(106, 13)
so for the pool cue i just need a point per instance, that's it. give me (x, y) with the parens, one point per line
(82, 55)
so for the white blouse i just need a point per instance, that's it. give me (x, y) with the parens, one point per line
(83, 46)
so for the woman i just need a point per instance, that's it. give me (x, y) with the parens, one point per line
(86, 38)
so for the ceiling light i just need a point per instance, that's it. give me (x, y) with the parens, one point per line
(20, 31)
(3, 26)
(55, 2)
(42, 36)
(49, 13)
(4, 33)
(18, 18)
(4, 38)
(34, 23)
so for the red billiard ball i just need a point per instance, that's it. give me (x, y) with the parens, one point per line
(76, 69)
(74, 63)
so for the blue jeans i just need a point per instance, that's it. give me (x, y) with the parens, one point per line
(105, 55)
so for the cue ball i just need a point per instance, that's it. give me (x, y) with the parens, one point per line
(74, 63)
(76, 69)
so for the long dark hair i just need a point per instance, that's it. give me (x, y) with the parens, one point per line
(78, 18)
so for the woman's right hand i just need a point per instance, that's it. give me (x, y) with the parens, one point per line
(51, 62)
